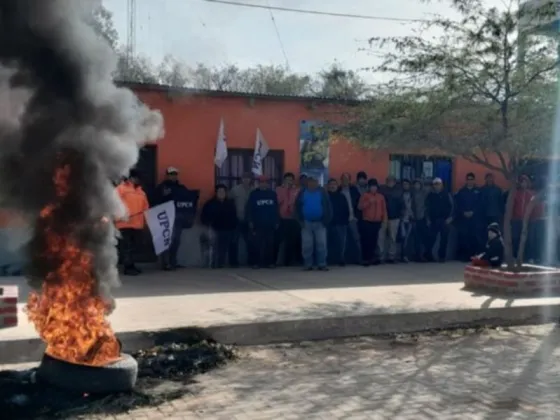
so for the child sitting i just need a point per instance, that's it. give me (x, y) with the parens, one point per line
(493, 256)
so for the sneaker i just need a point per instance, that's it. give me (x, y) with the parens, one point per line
(130, 272)
(308, 269)
(256, 267)
(271, 266)
(323, 269)
(342, 264)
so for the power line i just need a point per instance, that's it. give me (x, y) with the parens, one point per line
(279, 37)
(315, 12)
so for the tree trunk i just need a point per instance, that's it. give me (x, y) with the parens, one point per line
(508, 253)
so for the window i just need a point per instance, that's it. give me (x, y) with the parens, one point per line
(240, 161)
(422, 167)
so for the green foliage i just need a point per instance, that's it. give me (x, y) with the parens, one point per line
(472, 87)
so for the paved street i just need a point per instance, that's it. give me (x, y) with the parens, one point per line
(507, 374)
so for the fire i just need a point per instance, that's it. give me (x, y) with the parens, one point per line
(68, 313)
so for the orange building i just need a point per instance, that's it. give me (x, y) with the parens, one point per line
(192, 120)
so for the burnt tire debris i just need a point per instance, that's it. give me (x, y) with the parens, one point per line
(164, 374)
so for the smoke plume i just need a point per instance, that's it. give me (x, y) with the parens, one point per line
(59, 106)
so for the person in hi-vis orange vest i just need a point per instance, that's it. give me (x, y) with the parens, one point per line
(131, 227)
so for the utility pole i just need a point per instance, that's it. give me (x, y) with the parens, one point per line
(131, 35)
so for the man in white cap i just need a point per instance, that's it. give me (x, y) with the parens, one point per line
(186, 202)
(439, 215)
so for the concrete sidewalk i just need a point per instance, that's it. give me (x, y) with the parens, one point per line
(247, 306)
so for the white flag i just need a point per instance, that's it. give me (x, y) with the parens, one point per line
(161, 220)
(221, 146)
(261, 150)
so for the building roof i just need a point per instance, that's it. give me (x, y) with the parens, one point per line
(173, 90)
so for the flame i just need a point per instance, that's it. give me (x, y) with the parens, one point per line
(68, 313)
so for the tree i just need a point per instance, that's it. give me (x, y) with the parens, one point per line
(477, 90)
(102, 22)
(172, 72)
(336, 82)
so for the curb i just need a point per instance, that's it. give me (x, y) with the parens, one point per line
(31, 350)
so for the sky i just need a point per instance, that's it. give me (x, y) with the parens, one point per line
(198, 31)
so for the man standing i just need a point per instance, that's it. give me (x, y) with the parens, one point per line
(388, 235)
(186, 202)
(362, 182)
(407, 220)
(374, 211)
(219, 215)
(419, 228)
(314, 212)
(439, 215)
(338, 228)
(467, 207)
(352, 195)
(289, 231)
(263, 218)
(131, 227)
(240, 195)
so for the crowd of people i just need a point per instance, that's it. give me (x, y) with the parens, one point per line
(361, 222)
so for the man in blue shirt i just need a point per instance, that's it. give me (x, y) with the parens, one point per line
(314, 213)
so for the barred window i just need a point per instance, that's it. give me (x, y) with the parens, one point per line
(240, 161)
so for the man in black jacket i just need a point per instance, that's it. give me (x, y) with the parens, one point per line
(220, 216)
(439, 215)
(186, 202)
(338, 227)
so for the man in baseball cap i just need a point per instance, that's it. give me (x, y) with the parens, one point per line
(439, 215)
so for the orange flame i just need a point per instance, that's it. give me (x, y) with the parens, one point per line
(68, 313)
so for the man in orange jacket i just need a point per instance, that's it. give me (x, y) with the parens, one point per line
(131, 227)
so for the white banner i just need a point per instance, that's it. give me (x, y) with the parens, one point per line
(261, 150)
(221, 146)
(161, 220)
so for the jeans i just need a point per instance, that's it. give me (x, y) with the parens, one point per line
(370, 238)
(336, 243)
(406, 232)
(314, 243)
(169, 257)
(128, 244)
(353, 234)
(288, 237)
(387, 241)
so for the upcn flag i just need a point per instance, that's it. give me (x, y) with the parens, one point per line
(261, 150)
(161, 220)
(221, 146)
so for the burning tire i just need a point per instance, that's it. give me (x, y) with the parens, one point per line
(119, 376)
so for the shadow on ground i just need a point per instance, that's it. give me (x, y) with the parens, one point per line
(205, 281)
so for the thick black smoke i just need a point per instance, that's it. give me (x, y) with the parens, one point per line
(59, 105)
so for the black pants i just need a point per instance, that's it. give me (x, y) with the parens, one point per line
(288, 234)
(369, 236)
(263, 246)
(222, 246)
(441, 229)
(242, 232)
(468, 238)
(129, 242)
(169, 257)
